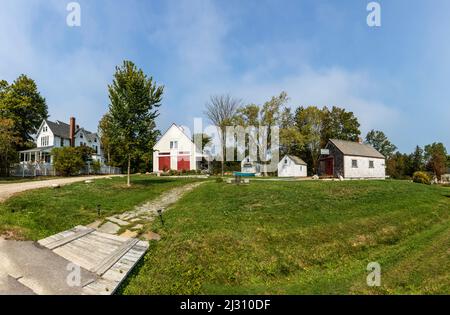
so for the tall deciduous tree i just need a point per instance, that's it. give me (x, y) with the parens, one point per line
(106, 134)
(380, 142)
(134, 101)
(22, 103)
(417, 161)
(269, 115)
(8, 141)
(339, 124)
(310, 123)
(221, 111)
(291, 139)
(436, 158)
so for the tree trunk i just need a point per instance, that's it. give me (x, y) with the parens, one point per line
(129, 169)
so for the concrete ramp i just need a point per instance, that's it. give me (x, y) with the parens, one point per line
(109, 257)
(80, 261)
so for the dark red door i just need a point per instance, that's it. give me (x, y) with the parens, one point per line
(164, 163)
(183, 163)
(329, 167)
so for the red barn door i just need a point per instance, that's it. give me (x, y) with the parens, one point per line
(164, 163)
(184, 163)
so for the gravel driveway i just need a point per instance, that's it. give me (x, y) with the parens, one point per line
(7, 190)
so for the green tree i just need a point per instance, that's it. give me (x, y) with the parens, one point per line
(268, 115)
(134, 100)
(8, 141)
(396, 165)
(67, 160)
(417, 161)
(339, 124)
(291, 139)
(22, 102)
(106, 133)
(221, 111)
(380, 142)
(310, 123)
(204, 142)
(436, 158)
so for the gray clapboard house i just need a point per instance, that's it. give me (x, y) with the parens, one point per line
(351, 160)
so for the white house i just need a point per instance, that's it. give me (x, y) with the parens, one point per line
(59, 134)
(292, 166)
(351, 160)
(175, 151)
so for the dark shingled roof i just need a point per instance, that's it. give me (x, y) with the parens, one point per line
(356, 148)
(296, 159)
(62, 130)
(89, 135)
(59, 128)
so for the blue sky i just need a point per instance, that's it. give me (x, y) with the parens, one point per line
(396, 78)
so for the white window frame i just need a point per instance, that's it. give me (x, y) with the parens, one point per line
(354, 163)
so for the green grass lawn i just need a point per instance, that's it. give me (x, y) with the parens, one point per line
(309, 237)
(36, 214)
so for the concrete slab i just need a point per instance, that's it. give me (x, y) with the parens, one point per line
(109, 228)
(30, 267)
(10, 286)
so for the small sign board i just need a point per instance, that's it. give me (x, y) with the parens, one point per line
(324, 151)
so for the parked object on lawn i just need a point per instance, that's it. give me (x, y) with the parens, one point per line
(175, 151)
(351, 160)
(248, 165)
(292, 166)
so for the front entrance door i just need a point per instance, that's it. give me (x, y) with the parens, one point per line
(329, 167)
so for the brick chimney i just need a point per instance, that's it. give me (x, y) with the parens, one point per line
(72, 131)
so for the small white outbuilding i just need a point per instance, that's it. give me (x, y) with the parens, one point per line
(292, 166)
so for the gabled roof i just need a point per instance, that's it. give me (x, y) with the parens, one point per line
(296, 159)
(176, 126)
(356, 148)
(90, 136)
(59, 128)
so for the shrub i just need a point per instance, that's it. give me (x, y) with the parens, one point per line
(67, 161)
(96, 166)
(422, 178)
(219, 180)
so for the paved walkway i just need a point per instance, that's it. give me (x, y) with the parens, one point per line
(28, 268)
(7, 190)
(130, 223)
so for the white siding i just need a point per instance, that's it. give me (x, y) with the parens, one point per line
(363, 170)
(287, 168)
(174, 133)
(43, 134)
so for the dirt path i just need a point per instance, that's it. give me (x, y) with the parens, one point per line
(129, 224)
(7, 190)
